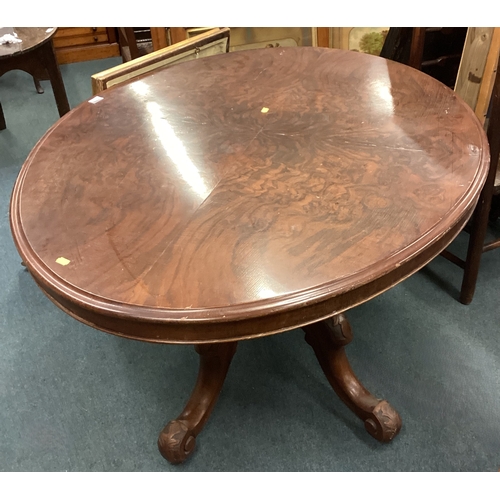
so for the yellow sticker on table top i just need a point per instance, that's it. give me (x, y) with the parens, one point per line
(63, 261)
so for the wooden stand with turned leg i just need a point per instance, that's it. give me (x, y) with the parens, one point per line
(328, 338)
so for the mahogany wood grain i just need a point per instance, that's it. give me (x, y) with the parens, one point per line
(189, 214)
(328, 339)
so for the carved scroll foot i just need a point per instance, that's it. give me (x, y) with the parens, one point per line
(328, 339)
(177, 440)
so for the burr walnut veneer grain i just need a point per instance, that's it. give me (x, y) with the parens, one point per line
(246, 194)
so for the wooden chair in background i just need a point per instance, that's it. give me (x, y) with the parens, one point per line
(435, 51)
(132, 48)
(214, 41)
(128, 44)
(482, 214)
(478, 84)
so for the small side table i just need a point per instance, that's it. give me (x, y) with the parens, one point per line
(36, 56)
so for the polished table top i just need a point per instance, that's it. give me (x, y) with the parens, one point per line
(264, 188)
(31, 38)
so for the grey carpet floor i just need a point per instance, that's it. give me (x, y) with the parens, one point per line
(76, 399)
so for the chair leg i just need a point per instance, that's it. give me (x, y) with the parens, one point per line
(495, 208)
(482, 212)
(475, 248)
(417, 47)
(55, 77)
(128, 44)
(38, 86)
(3, 125)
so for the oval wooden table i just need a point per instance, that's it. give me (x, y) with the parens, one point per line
(247, 194)
(35, 55)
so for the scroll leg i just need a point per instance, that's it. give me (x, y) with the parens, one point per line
(328, 339)
(178, 438)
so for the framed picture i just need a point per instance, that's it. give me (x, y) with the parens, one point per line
(207, 43)
(256, 38)
(367, 40)
(261, 37)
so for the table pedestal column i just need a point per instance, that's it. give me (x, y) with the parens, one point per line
(328, 338)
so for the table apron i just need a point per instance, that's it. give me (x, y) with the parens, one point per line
(212, 331)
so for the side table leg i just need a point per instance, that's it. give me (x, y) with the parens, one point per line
(55, 77)
(178, 438)
(38, 86)
(328, 339)
(3, 125)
